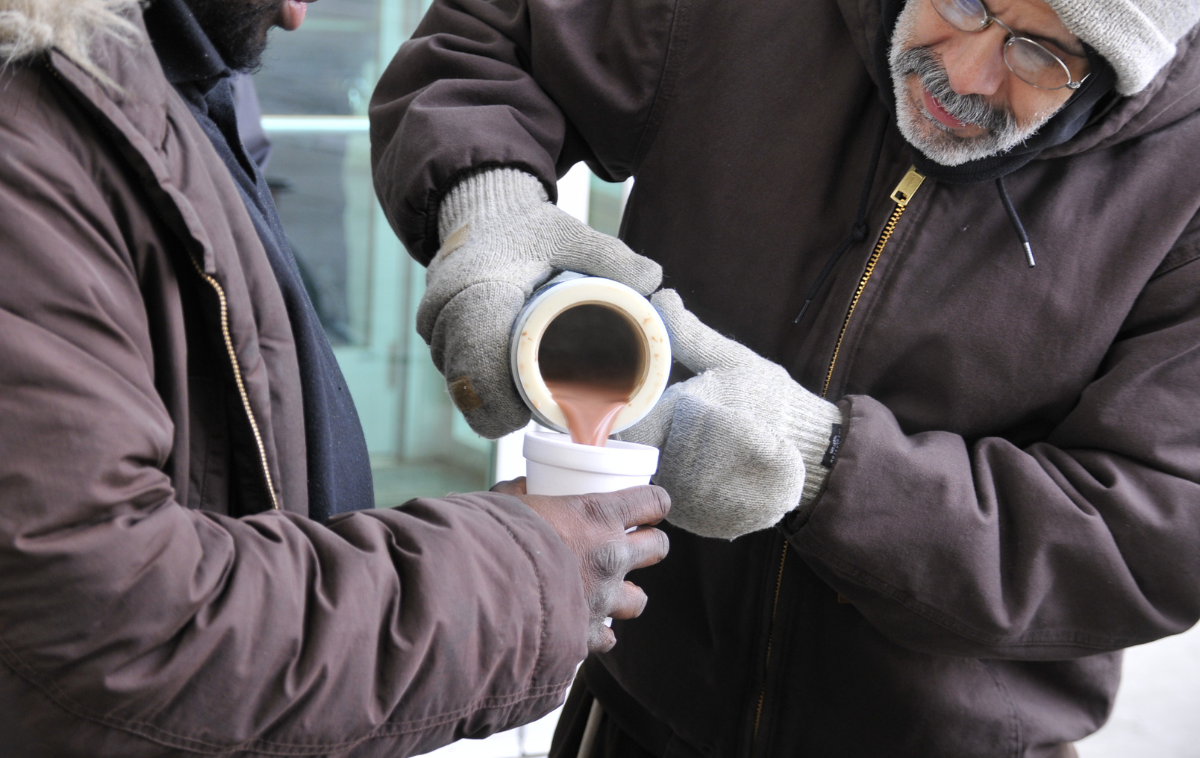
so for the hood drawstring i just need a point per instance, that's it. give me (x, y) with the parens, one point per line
(859, 231)
(1015, 220)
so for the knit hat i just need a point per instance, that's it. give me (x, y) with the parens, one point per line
(1136, 36)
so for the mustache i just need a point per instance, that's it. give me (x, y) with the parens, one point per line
(969, 109)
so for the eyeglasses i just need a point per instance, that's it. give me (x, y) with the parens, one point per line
(1030, 61)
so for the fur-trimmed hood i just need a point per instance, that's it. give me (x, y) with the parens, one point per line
(33, 27)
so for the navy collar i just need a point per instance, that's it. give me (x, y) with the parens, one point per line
(184, 50)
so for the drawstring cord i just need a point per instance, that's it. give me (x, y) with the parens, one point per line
(1013, 218)
(858, 233)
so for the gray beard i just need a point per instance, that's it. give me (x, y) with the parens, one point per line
(1002, 131)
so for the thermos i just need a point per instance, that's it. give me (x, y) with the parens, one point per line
(571, 326)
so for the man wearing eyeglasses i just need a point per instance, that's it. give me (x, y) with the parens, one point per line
(933, 280)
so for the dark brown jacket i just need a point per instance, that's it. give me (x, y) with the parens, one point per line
(1017, 495)
(161, 589)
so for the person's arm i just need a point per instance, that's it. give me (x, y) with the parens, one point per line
(1086, 541)
(137, 626)
(470, 126)
(527, 84)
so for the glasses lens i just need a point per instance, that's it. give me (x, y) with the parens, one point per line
(1035, 64)
(966, 15)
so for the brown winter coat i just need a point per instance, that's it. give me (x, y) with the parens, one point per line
(1017, 495)
(161, 589)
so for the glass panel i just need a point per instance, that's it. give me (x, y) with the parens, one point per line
(314, 88)
(321, 183)
(607, 204)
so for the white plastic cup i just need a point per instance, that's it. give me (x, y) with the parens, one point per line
(554, 465)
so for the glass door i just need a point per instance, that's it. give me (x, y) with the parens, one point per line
(314, 88)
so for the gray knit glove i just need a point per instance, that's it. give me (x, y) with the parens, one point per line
(501, 238)
(741, 441)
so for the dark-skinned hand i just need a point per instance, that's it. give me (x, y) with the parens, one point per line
(594, 528)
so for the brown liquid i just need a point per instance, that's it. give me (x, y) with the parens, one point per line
(592, 359)
(591, 409)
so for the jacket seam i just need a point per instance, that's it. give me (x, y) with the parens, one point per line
(184, 742)
(543, 629)
(822, 550)
(677, 43)
(1190, 257)
(1002, 688)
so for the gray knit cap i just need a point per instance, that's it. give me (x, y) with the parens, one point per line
(1136, 37)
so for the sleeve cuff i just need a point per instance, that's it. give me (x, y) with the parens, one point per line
(819, 437)
(489, 194)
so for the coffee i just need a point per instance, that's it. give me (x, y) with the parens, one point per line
(590, 410)
(593, 360)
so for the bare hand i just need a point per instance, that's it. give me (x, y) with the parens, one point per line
(593, 527)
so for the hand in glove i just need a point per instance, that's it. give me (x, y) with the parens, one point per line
(501, 238)
(741, 441)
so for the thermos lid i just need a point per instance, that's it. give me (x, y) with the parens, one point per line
(566, 291)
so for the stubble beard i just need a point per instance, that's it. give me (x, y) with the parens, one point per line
(1001, 129)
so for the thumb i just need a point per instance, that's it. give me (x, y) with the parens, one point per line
(587, 251)
(695, 344)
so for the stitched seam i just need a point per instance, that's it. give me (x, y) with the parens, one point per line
(544, 630)
(672, 63)
(1002, 688)
(170, 739)
(1191, 256)
(823, 550)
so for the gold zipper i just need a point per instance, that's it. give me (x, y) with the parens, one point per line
(762, 693)
(237, 376)
(903, 193)
(237, 369)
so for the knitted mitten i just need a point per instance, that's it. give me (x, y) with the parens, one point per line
(501, 238)
(741, 441)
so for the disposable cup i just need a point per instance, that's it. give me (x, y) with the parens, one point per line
(554, 465)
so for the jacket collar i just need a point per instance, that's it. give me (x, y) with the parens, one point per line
(185, 52)
(135, 111)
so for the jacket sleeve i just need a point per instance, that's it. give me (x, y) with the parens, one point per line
(534, 84)
(144, 628)
(1086, 541)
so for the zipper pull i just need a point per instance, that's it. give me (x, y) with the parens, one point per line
(907, 187)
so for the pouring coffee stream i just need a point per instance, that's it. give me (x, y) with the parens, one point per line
(593, 361)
